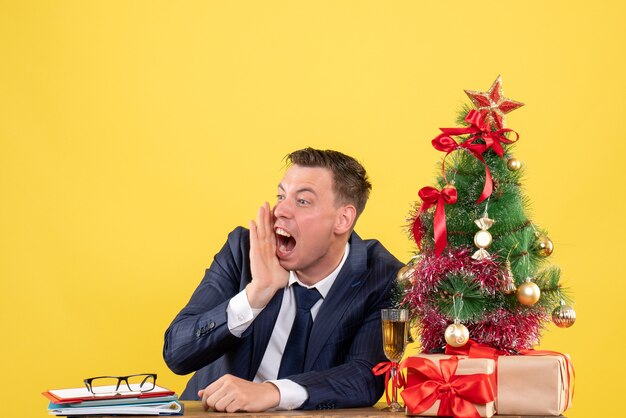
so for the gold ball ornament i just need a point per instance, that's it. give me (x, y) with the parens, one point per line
(456, 335)
(406, 276)
(564, 316)
(513, 164)
(403, 273)
(543, 246)
(528, 293)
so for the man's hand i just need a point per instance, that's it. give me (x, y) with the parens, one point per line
(232, 394)
(267, 274)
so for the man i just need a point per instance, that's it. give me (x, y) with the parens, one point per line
(236, 331)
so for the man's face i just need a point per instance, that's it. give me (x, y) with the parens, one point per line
(306, 218)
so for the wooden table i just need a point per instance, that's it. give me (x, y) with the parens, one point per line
(193, 409)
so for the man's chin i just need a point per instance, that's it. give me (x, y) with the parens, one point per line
(286, 263)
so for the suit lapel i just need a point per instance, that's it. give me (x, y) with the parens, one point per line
(263, 327)
(339, 298)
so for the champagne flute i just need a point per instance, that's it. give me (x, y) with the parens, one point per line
(394, 343)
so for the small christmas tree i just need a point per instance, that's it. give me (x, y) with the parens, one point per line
(481, 268)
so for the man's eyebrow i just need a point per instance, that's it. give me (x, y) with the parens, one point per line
(304, 189)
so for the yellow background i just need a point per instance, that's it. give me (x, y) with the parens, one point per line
(135, 134)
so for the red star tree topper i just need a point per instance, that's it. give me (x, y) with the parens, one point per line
(492, 104)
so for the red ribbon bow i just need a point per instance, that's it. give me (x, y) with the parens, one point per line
(457, 393)
(447, 144)
(431, 196)
(397, 381)
(478, 129)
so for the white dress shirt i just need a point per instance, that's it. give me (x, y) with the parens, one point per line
(241, 315)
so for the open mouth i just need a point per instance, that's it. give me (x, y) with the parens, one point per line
(285, 243)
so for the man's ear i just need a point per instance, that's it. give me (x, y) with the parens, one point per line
(345, 219)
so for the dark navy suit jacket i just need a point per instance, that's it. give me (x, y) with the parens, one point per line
(345, 341)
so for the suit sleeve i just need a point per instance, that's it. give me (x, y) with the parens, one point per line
(352, 383)
(199, 334)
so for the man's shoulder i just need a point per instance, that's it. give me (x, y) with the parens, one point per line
(239, 233)
(371, 245)
(376, 252)
(238, 242)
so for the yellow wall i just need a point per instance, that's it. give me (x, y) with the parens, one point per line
(135, 134)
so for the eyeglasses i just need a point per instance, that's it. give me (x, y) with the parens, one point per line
(112, 385)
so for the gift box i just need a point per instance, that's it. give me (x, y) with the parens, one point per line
(443, 385)
(537, 382)
(534, 384)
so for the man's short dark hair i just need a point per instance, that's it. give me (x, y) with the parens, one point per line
(350, 182)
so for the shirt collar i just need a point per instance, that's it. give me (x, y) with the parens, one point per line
(324, 285)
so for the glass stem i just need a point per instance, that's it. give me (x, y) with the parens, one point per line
(394, 389)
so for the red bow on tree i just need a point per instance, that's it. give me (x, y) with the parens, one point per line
(431, 196)
(478, 129)
(456, 393)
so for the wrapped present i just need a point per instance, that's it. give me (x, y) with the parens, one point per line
(537, 382)
(534, 384)
(443, 385)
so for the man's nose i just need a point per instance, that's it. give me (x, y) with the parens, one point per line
(283, 209)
